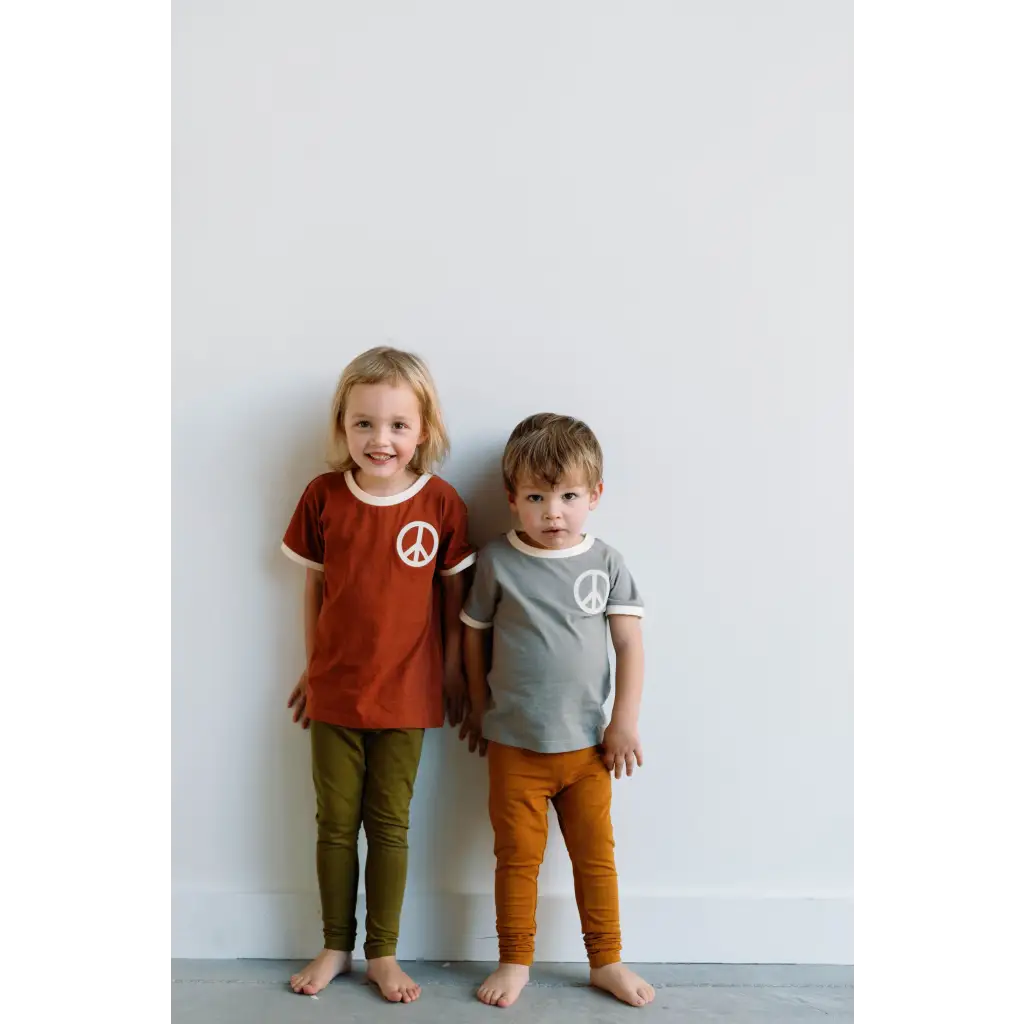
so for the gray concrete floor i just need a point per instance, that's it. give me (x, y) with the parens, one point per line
(256, 991)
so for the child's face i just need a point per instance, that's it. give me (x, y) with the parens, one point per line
(553, 517)
(382, 429)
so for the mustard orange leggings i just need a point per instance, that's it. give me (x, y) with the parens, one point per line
(578, 784)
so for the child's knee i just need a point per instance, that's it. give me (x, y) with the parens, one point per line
(336, 832)
(384, 830)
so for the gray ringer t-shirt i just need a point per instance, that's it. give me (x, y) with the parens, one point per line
(550, 676)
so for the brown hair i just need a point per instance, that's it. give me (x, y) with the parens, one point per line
(547, 446)
(385, 365)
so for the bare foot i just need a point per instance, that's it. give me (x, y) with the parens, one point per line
(319, 973)
(502, 988)
(395, 985)
(623, 984)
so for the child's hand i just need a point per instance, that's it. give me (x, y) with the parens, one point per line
(473, 729)
(621, 749)
(455, 694)
(297, 699)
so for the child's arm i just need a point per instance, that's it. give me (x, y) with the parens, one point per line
(622, 737)
(312, 602)
(475, 648)
(454, 589)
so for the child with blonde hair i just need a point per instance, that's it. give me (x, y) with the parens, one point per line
(547, 595)
(383, 542)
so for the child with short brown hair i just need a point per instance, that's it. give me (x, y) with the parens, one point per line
(549, 593)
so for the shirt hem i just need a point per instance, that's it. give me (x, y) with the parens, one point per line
(565, 747)
(345, 722)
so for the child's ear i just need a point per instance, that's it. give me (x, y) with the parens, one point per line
(511, 499)
(595, 495)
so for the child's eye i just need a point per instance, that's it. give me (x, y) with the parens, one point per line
(362, 424)
(401, 426)
(570, 495)
(534, 498)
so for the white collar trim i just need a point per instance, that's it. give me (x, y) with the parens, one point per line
(577, 549)
(386, 499)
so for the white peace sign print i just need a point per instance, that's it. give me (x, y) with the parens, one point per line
(591, 591)
(415, 554)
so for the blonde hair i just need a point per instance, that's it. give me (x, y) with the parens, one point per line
(548, 447)
(384, 365)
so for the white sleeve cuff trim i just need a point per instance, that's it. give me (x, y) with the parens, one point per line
(464, 564)
(319, 566)
(625, 609)
(473, 624)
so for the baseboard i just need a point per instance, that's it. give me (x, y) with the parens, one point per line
(689, 928)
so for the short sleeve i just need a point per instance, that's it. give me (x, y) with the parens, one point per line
(304, 538)
(623, 597)
(456, 553)
(478, 611)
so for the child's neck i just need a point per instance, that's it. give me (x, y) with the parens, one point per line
(570, 542)
(385, 488)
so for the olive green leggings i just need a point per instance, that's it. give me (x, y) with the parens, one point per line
(363, 777)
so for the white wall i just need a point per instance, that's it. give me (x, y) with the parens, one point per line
(637, 213)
